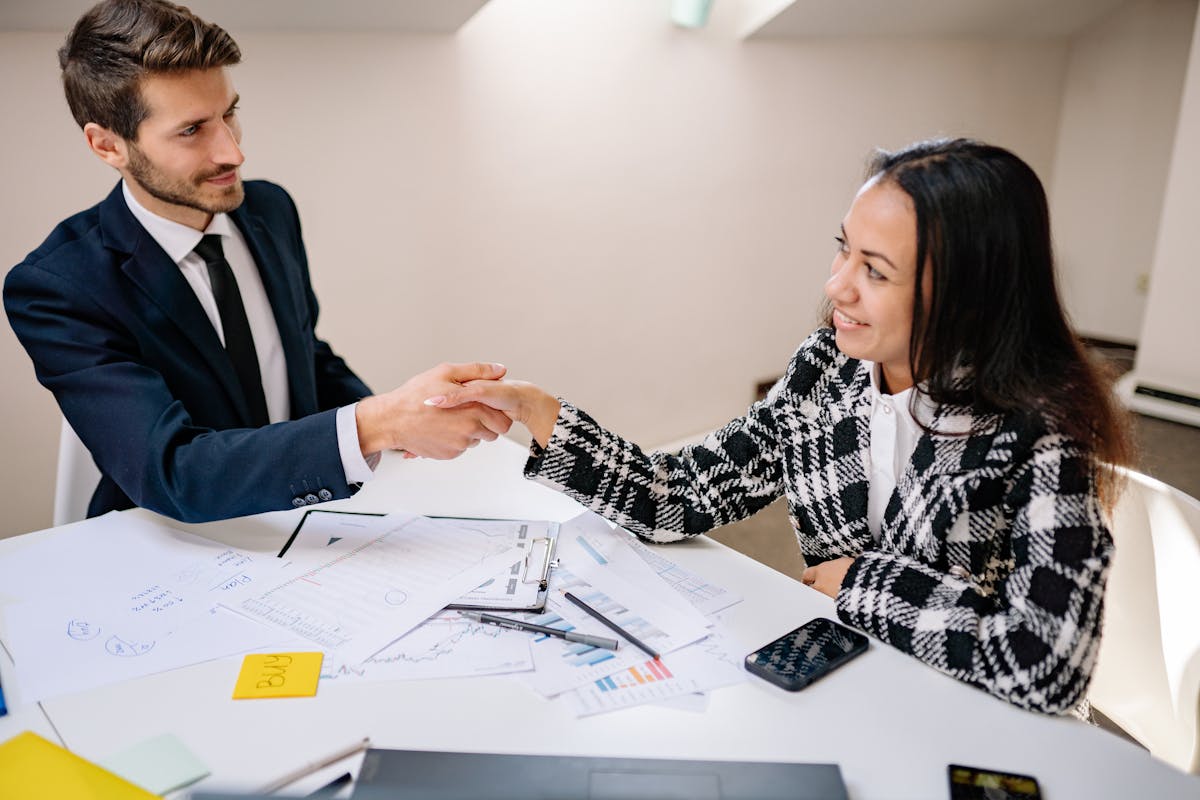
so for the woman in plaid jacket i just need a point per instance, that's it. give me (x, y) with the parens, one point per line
(943, 442)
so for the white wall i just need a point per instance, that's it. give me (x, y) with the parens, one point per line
(1124, 78)
(637, 217)
(1166, 358)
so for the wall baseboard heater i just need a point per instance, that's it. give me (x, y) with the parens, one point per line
(1159, 401)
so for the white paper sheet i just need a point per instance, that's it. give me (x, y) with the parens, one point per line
(123, 597)
(605, 557)
(119, 555)
(516, 587)
(73, 657)
(446, 646)
(368, 596)
(707, 597)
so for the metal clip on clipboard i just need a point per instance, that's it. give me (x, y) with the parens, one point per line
(524, 587)
(548, 562)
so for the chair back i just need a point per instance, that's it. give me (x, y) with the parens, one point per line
(1147, 676)
(77, 478)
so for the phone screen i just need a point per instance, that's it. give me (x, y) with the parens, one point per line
(973, 783)
(796, 659)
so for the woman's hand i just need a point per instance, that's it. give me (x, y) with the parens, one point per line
(827, 576)
(523, 402)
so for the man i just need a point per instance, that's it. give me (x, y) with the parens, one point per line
(175, 321)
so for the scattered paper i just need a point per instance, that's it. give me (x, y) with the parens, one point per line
(368, 596)
(698, 668)
(707, 597)
(561, 665)
(67, 657)
(446, 646)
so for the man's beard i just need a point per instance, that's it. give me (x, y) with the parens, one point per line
(183, 192)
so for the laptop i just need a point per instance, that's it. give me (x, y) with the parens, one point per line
(432, 775)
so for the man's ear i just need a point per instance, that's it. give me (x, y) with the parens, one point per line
(111, 148)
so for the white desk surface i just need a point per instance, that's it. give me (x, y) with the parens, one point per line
(892, 723)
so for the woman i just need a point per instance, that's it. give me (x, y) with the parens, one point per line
(944, 444)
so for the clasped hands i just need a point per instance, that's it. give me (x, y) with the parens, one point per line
(401, 420)
(445, 410)
(464, 403)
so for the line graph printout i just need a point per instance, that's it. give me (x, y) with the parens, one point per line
(366, 597)
(707, 597)
(446, 646)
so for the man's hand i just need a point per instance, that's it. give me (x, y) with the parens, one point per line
(827, 576)
(400, 419)
(523, 402)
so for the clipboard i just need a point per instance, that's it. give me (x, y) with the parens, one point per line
(523, 587)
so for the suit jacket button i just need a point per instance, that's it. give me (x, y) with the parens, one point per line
(325, 494)
(297, 502)
(311, 499)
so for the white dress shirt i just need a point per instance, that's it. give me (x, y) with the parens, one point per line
(894, 436)
(179, 242)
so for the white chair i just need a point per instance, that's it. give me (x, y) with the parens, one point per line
(1147, 677)
(76, 480)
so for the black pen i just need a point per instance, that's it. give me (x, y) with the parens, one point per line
(518, 625)
(608, 623)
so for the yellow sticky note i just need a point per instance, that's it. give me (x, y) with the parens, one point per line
(30, 766)
(278, 675)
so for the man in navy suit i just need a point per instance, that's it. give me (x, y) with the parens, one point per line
(175, 321)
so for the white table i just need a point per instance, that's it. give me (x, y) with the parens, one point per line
(892, 723)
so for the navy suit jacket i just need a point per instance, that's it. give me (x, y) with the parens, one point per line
(117, 334)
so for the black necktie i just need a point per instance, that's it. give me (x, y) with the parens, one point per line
(239, 342)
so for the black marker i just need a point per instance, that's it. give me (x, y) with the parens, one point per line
(636, 642)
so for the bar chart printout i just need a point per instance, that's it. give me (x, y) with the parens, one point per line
(638, 675)
(646, 682)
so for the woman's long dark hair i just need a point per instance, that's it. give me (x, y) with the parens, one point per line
(983, 228)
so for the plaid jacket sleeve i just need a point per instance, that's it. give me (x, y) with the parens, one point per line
(1032, 641)
(733, 473)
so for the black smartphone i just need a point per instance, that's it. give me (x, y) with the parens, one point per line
(812, 651)
(973, 783)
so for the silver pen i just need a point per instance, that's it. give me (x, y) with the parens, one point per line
(518, 625)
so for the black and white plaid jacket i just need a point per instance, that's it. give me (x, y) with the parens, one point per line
(994, 548)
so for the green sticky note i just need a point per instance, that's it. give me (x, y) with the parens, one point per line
(159, 764)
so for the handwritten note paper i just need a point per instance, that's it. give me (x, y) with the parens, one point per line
(278, 675)
(60, 648)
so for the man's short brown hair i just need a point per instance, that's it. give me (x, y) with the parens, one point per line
(118, 43)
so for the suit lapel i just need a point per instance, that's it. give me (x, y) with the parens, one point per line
(153, 271)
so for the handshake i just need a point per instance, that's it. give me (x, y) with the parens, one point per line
(445, 410)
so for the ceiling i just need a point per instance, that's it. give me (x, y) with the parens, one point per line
(412, 16)
(988, 18)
